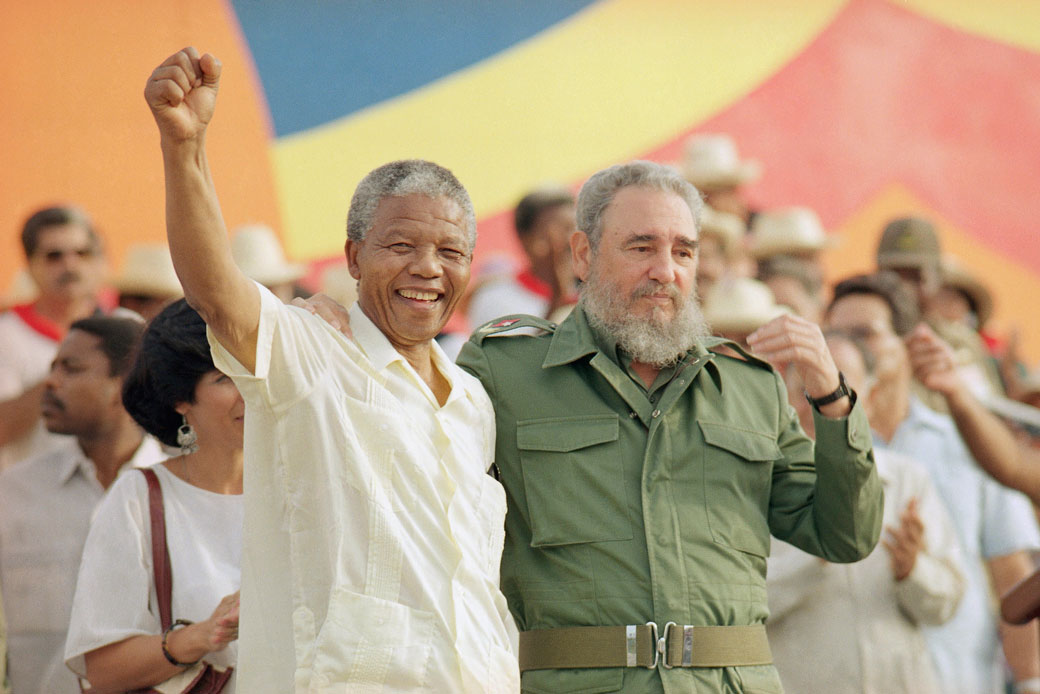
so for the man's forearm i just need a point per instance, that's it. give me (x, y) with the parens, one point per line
(1021, 643)
(993, 445)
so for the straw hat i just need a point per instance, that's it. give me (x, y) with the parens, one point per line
(728, 228)
(740, 305)
(787, 231)
(711, 161)
(23, 290)
(148, 271)
(259, 254)
(956, 276)
(338, 284)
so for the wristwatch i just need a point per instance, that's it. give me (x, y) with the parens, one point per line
(842, 391)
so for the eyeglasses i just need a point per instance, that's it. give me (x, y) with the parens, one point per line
(56, 255)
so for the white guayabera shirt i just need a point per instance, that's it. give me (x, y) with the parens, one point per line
(372, 532)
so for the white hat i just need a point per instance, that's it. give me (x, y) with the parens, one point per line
(740, 304)
(338, 284)
(789, 230)
(148, 271)
(711, 161)
(727, 227)
(260, 256)
(23, 289)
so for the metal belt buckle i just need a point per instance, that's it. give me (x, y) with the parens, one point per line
(662, 647)
(654, 645)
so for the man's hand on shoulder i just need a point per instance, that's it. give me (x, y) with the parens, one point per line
(182, 94)
(789, 340)
(328, 310)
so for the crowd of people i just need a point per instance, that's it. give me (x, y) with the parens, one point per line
(666, 455)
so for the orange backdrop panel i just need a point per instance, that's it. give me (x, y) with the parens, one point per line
(74, 125)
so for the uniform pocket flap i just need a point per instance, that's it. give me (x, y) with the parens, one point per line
(748, 445)
(563, 434)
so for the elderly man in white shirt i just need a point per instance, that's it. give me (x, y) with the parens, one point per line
(372, 532)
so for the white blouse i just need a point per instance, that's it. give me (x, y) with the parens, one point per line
(115, 593)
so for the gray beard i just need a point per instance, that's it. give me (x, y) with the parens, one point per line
(656, 340)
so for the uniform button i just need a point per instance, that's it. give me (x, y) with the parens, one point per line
(656, 413)
(682, 381)
(632, 415)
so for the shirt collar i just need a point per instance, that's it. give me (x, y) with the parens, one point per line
(381, 354)
(74, 460)
(920, 414)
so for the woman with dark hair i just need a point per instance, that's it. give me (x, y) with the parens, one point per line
(130, 628)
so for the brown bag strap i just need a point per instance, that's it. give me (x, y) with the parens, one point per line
(160, 552)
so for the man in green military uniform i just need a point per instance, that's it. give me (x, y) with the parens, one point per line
(646, 464)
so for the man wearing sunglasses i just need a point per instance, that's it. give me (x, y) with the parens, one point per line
(64, 258)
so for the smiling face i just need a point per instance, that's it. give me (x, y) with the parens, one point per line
(412, 267)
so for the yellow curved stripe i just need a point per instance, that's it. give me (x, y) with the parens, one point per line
(613, 81)
(1009, 21)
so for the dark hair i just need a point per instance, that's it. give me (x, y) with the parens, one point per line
(118, 338)
(525, 216)
(887, 286)
(54, 217)
(172, 358)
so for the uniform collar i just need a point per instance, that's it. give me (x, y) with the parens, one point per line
(575, 339)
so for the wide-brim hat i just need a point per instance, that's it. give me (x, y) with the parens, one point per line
(148, 271)
(259, 254)
(339, 285)
(955, 275)
(711, 162)
(740, 304)
(787, 231)
(908, 242)
(728, 228)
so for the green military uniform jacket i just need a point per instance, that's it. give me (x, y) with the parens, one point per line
(628, 505)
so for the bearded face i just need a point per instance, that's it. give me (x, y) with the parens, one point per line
(660, 336)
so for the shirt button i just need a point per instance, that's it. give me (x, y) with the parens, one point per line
(656, 413)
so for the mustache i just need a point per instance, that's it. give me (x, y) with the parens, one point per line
(69, 277)
(52, 401)
(655, 287)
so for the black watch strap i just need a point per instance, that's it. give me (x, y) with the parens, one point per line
(842, 391)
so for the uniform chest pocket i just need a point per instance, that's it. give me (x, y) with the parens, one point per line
(573, 480)
(737, 482)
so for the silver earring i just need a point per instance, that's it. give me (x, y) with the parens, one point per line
(186, 437)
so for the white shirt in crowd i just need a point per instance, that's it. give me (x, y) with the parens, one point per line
(26, 354)
(115, 592)
(46, 503)
(373, 533)
(851, 628)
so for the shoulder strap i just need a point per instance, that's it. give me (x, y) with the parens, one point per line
(160, 552)
(509, 323)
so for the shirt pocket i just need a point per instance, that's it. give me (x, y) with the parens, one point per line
(372, 643)
(573, 480)
(737, 482)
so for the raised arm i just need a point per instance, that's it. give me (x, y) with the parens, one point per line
(990, 441)
(182, 94)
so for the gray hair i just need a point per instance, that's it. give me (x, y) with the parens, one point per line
(401, 178)
(600, 189)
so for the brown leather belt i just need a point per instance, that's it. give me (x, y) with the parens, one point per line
(641, 645)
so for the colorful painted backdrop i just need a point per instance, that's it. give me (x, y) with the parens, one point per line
(861, 109)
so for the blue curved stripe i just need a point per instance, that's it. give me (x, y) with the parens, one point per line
(320, 60)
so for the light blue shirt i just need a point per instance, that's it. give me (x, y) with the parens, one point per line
(991, 521)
